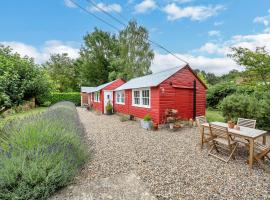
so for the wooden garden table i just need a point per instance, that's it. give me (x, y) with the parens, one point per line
(249, 134)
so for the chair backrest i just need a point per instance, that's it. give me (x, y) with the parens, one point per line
(250, 123)
(219, 132)
(200, 120)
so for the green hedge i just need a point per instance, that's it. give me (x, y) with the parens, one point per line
(74, 97)
(248, 106)
(41, 153)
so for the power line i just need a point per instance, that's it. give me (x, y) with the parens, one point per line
(122, 23)
(104, 11)
(97, 17)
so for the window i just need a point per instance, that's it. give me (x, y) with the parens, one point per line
(145, 97)
(136, 97)
(120, 97)
(141, 98)
(97, 97)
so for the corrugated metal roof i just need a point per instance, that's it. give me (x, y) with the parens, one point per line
(151, 80)
(87, 89)
(101, 86)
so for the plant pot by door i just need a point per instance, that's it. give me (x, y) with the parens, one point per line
(146, 124)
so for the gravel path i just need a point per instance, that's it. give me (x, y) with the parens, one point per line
(170, 164)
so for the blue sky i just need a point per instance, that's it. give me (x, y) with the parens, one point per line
(200, 31)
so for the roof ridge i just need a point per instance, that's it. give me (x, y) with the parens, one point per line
(157, 72)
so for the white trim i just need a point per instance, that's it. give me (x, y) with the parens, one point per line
(141, 98)
(121, 103)
(95, 97)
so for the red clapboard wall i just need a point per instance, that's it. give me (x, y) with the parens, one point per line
(139, 112)
(100, 105)
(177, 93)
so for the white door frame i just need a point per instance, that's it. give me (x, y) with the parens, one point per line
(105, 101)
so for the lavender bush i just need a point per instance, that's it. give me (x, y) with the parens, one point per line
(41, 153)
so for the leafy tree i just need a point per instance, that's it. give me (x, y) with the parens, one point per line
(218, 92)
(210, 78)
(62, 72)
(257, 64)
(20, 79)
(97, 54)
(136, 54)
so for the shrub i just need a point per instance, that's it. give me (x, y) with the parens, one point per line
(109, 106)
(247, 106)
(218, 92)
(124, 118)
(41, 153)
(55, 97)
(147, 118)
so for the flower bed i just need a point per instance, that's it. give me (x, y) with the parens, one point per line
(41, 153)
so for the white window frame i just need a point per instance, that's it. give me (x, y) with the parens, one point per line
(97, 96)
(122, 96)
(141, 98)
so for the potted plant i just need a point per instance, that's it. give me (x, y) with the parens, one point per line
(171, 121)
(231, 124)
(109, 108)
(146, 122)
(155, 126)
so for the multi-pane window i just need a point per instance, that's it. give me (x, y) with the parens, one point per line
(141, 98)
(120, 97)
(145, 97)
(97, 96)
(136, 97)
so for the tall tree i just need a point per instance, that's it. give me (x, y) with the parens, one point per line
(97, 54)
(136, 54)
(63, 72)
(20, 79)
(257, 64)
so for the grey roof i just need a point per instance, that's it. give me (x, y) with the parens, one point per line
(101, 86)
(151, 80)
(87, 89)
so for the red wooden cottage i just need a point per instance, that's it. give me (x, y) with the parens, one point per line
(100, 95)
(176, 88)
(85, 97)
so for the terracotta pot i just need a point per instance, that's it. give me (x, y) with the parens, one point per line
(231, 124)
(155, 127)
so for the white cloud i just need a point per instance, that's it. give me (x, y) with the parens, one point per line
(214, 33)
(263, 20)
(246, 41)
(69, 4)
(195, 13)
(182, 1)
(218, 23)
(214, 65)
(106, 7)
(145, 5)
(43, 54)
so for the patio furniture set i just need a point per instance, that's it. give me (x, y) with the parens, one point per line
(219, 135)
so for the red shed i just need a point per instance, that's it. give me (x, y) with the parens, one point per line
(100, 95)
(176, 88)
(85, 95)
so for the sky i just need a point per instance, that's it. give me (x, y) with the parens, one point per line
(198, 31)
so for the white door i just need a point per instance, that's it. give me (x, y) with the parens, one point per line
(108, 96)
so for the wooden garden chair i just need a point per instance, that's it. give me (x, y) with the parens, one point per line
(205, 133)
(222, 140)
(250, 123)
(261, 151)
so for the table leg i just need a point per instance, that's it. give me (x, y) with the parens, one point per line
(202, 137)
(264, 139)
(251, 152)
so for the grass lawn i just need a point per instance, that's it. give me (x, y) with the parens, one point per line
(11, 117)
(214, 115)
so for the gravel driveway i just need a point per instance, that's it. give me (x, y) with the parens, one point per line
(170, 164)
